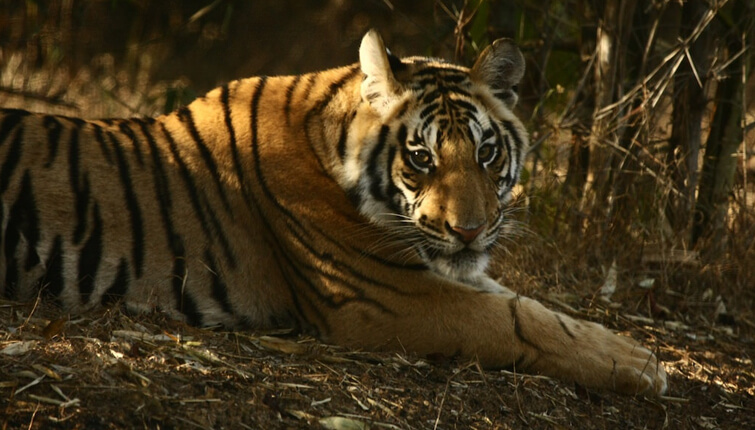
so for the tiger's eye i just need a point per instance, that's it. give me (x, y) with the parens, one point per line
(486, 153)
(421, 159)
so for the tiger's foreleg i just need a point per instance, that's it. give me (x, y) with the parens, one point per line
(504, 331)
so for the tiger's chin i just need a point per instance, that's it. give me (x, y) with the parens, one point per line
(466, 265)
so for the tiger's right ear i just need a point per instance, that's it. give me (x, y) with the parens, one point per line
(380, 87)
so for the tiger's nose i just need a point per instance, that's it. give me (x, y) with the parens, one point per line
(466, 235)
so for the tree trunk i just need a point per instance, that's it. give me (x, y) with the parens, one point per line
(689, 106)
(579, 154)
(726, 134)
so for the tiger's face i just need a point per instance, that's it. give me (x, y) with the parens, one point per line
(440, 171)
(454, 178)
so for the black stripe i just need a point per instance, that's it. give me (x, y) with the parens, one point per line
(309, 84)
(402, 110)
(221, 237)
(90, 257)
(160, 180)
(463, 104)
(298, 293)
(409, 179)
(254, 118)
(364, 254)
(321, 104)
(83, 198)
(521, 364)
(432, 107)
(295, 292)
(401, 135)
(455, 79)
(508, 177)
(191, 187)
(343, 137)
(23, 221)
(12, 238)
(12, 117)
(513, 303)
(337, 301)
(564, 327)
(393, 193)
(11, 161)
(225, 101)
(125, 128)
(430, 97)
(219, 287)
(289, 98)
(132, 205)
(54, 279)
(354, 196)
(119, 287)
(441, 72)
(195, 199)
(187, 117)
(445, 83)
(340, 266)
(184, 302)
(79, 187)
(54, 128)
(261, 180)
(518, 142)
(511, 130)
(100, 138)
(469, 134)
(334, 88)
(26, 216)
(276, 246)
(397, 66)
(373, 165)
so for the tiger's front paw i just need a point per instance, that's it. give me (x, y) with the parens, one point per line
(632, 368)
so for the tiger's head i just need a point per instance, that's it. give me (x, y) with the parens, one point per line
(438, 166)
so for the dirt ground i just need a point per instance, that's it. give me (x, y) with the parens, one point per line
(112, 370)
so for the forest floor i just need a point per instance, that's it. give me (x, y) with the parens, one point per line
(111, 370)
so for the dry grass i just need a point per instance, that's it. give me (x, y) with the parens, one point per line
(112, 370)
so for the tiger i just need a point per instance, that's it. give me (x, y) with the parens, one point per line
(359, 204)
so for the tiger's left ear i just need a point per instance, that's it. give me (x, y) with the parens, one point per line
(500, 66)
(380, 87)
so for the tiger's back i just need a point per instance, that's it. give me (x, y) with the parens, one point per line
(360, 203)
(149, 209)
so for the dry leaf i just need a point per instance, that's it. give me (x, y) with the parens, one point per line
(283, 345)
(47, 371)
(54, 328)
(609, 286)
(19, 348)
(341, 423)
